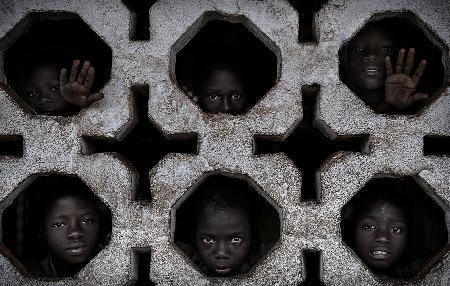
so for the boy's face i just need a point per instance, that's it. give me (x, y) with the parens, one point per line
(223, 240)
(222, 92)
(366, 54)
(71, 230)
(380, 235)
(41, 91)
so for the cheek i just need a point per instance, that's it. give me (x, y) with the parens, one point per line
(54, 239)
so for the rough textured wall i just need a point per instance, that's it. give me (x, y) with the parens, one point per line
(225, 142)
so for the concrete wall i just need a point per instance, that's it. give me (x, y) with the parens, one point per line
(54, 144)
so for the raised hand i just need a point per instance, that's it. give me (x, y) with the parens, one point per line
(400, 87)
(77, 90)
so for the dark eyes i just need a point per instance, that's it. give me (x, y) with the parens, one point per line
(360, 50)
(55, 89)
(368, 227)
(394, 229)
(208, 240)
(85, 221)
(234, 241)
(33, 94)
(88, 221)
(397, 229)
(59, 225)
(235, 95)
(213, 96)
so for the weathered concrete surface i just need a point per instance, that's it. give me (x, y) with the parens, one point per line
(225, 142)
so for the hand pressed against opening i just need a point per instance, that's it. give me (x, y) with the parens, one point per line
(400, 87)
(77, 89)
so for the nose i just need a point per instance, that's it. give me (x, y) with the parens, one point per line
(383, 236)
(74, 231)
(226, 104)
(221, 251)
(371, 56)
(46, 97)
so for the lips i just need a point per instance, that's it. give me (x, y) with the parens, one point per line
(372, 70)
(76, 248)
(380, 253)
(222, 270)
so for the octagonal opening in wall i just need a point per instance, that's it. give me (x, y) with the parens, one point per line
(37, 50)
(394, 64)
(225, 67)
(395, 228)
(225, 226)
(55, 226)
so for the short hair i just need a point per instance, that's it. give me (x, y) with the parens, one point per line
(219, 57)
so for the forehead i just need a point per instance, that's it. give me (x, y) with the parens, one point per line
(220, 218)
(373, 34)
(223, 76)
(43, 71)
(71, 205)
(384, 210)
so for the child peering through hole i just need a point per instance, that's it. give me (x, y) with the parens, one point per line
(380, 66)
(220, 80)
(50, 88)
(219, 229)
(73, 228)
(390, 229)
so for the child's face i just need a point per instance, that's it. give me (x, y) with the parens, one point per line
(366, 54)
(223, 240)
(380, 235)
(71, 230)
(42, 91)
(222, 92)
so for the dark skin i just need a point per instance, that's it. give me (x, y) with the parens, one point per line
(72, 233)
(380, 236)
(223, 239)
(50, 92)
(222, 92)
(370, 71)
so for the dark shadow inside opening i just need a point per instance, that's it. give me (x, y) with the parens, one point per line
(11, 145)
(144, 146)
(308, 146)
(306, 10)
(436, 145)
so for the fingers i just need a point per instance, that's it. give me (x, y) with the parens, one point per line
(89, 78)
(83, 72)
(74, 70)
(409, 62)
(400, 60)
(388, 66)
(63, 77)
(419, 72)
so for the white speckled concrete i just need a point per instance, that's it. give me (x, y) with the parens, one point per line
(53, 144)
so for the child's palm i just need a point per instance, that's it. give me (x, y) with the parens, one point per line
(77, 90)
(400, 87)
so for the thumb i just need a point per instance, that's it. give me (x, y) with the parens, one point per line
(94, 97)
(420, 96)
